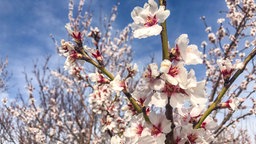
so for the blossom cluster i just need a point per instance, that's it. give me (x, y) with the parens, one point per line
(172, 85)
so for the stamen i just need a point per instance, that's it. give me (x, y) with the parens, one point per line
(151, 21)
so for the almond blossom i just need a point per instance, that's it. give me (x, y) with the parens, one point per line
(187, 53)
(154, 132)
(179, 86)
(231, 103)
(143, 92)
(147, 19)
(151, 75)
(97, 77)
(188, 134)
(77, 35)
(73, 61)
(134, 132)
(212, 37)
(65, 48)
(158, 128)
(177, 74)
(117, 84)
(227, 68)
(209, 124)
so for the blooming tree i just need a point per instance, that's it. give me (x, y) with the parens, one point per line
(4, 76)
(103, 98)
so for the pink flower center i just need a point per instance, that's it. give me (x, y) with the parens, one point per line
(171, 89)
(156, 130)
(131, 108)
(203, 125)
(151, 21)
(175, 54)
(97, 55)
(75, 55)
(173, 71)
(139, 129)
(122, 84)
(178, 139)
(227, 73)
(192, 138)
(77, 35)
(102, 79)
(149, 73)
(65, 48)
(141, 101)
(227, 103)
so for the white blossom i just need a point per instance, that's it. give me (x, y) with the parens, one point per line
(189, 53)
(147, 19)
(220, 20)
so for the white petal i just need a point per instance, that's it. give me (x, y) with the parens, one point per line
(199, 90)
(198, 100)
(157, 84)
(171, 79)
(191, 79)
(182, 43)
(93, 77)
(154, 118)
(182, 77)
(166, 125)
(115, 139)
(160, 139)
(239, 65)
(116, 83)
(145, 32)
(159, 100)
(197, 110)
(153, 6)
(210, 123)
(68, 28)
(139, 15)
(165, 66)
(193, 55)
(162, 14)
(177, 100)
(136, 12)
(130, 132)
(146, 140)
(154, 69)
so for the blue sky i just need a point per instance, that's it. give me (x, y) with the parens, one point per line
(25, 27)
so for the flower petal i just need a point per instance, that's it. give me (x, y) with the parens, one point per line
(147, 31)
(159, 100)
(162, 14)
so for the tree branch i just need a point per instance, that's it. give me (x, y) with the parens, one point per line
(225, 88)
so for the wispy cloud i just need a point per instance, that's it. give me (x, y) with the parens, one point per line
(26, 26)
